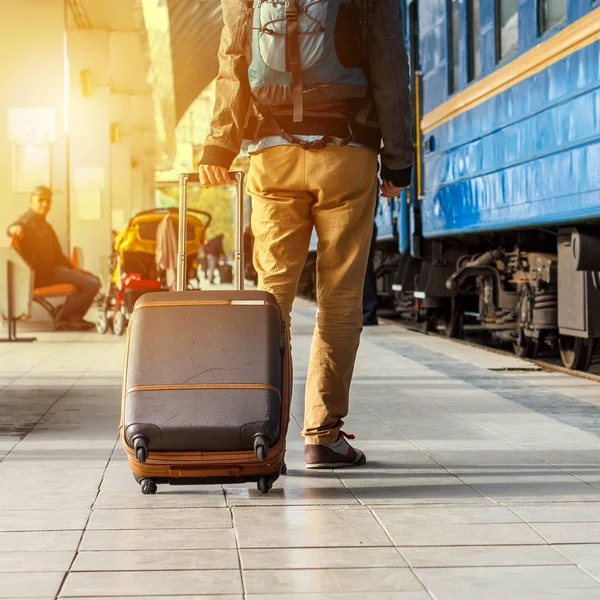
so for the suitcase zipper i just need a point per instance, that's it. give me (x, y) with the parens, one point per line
(203, 386)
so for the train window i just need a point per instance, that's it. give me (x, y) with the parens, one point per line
(551, 13)
(453, 46)
(507, 28)
(474, 39)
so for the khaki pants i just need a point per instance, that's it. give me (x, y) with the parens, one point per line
(334, 190)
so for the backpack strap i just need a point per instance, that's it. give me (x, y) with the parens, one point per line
(292, 44)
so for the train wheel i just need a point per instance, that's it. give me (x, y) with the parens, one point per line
(524, 347)
(576, 353)
(430, 323)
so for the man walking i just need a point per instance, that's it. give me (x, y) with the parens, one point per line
(321, 84)
(214, 251)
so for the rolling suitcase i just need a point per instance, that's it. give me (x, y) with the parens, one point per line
(226, 273)
(206, 389)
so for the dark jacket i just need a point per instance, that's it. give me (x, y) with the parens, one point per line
(40, 247)
(215, 247)
(386, 112)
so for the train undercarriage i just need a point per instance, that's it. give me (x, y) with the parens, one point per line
(540, 290)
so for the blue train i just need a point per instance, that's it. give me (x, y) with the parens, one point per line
(500, 229)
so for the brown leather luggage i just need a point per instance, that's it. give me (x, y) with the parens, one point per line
(206, 390)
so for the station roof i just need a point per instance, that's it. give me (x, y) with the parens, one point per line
(195, 33)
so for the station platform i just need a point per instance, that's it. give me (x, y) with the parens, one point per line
(483, 481)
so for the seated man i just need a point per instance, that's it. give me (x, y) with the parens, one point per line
(40, 247)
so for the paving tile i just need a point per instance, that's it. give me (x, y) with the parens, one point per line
(49, 442)
(310, 492)
(39, 541)
(406, 488)
(176, 497)
(586, 556)
(132, 583)
(331, 581)
(30, 585)
(14, 498)
(321, 558)
(8, 442)
(34, 562)
(469, 354)
(157, 560)
(422, 595)
(513, 488)
(186, 597)
(295, 527)
(480, 459)
(43, 520)
(482, 556)
(516, 583)
(164, 539)
(588, 512)
(447, 514)
(568, 533)
(405, 533)
(166, 518)
(25, 456)
(49, 481)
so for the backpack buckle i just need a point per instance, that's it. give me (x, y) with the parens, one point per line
(316, 145)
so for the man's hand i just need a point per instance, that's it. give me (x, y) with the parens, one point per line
(16, 231)
(211, 176)
(389, 190)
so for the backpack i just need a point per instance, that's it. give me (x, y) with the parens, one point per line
(305, 53)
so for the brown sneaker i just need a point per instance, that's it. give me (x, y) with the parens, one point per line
(336, 455)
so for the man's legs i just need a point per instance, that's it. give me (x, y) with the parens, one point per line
(78, 303)
(333, 188)
(344, 181)
(212, 266)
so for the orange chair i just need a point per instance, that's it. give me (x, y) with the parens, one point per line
(77, 258)
(42, 295)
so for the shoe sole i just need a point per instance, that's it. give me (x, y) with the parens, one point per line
(339, 465)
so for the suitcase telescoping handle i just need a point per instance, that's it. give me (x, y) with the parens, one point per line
(186, 178)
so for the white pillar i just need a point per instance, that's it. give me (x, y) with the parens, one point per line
(89, 129)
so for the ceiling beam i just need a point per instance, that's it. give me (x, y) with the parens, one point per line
(79, 14)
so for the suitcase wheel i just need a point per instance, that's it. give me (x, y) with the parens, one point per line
(148, 486)
(265, 484)
(140, 445)
(261, 447)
